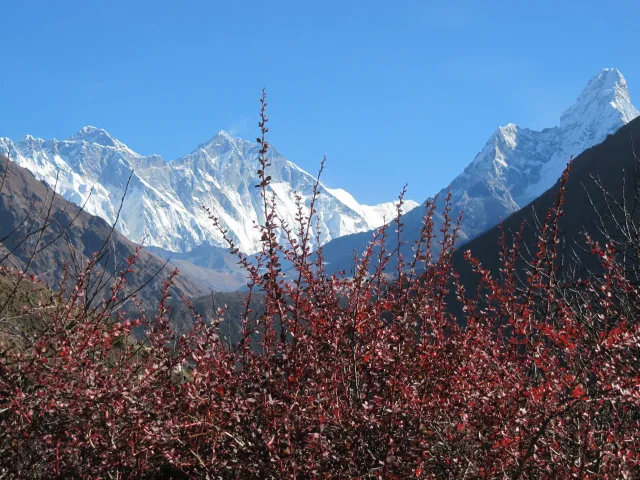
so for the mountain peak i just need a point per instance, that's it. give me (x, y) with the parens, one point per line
(223, 134)
(97, 135)
(604, 99)
(605, 83)
(223, 138)
(220, 139)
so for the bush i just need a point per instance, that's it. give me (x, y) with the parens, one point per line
(369, 376)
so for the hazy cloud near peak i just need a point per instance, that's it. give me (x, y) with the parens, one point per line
(239, 128)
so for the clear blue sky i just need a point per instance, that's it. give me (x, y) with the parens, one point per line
(391, 92)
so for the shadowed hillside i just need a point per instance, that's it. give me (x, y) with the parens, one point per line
(603, 181)
(41, 233)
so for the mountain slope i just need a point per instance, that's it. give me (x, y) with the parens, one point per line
(71, 237)
(215, 267)
(615, 165)
(517, 164)
(164, 201)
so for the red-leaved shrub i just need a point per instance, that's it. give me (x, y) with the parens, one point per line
(368, 376)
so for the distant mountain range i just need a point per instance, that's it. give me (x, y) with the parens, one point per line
(164, 202)
(516, 165)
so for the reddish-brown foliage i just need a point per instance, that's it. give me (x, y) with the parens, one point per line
(368, 376)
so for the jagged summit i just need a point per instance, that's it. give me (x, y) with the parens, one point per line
(31, 141)
(518, 164)
(97, 135)
(224, 135)
(220, 138)
(605, 99)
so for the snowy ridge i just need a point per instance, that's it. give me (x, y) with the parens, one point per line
(163, 206)
(518, 164)
(377, 215)
(515, 166)
(164, 201)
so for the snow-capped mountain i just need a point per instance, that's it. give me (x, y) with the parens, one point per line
(517, 165)
(163, 206)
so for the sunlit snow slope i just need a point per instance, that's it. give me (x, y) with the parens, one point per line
(163, 206)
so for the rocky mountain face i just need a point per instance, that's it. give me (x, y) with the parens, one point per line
(614, 164)
(517, 164)
(164, 201)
